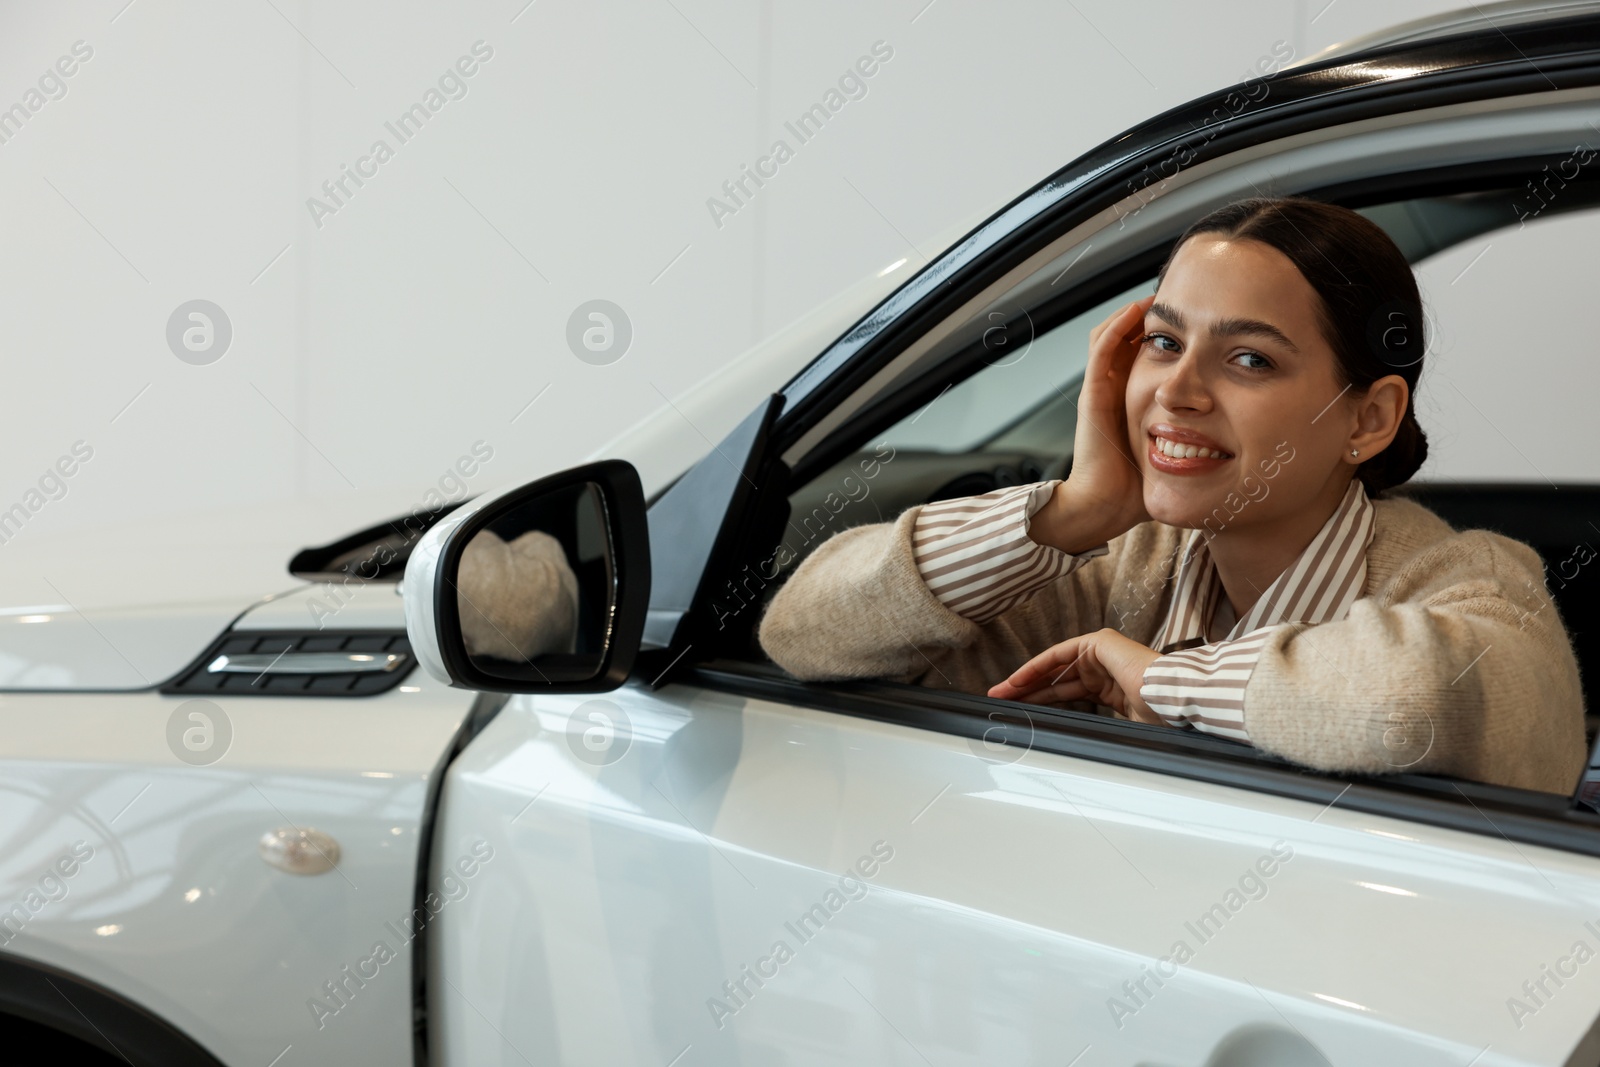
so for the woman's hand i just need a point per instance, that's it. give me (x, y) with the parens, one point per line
(1103, 666)
(1104, 495)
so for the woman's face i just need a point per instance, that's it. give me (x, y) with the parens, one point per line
(1233, 358)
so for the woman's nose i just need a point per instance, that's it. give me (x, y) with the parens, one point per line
(1183, 387)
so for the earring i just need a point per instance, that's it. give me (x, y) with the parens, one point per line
(1353, 452)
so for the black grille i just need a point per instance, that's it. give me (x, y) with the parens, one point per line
(196, 678)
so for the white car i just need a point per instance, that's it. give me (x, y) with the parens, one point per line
(249, 831)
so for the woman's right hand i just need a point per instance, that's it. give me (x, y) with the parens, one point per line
(1104, 495)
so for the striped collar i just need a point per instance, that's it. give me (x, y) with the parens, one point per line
(1319, 586)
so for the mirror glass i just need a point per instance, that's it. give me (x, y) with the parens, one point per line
(535, 588)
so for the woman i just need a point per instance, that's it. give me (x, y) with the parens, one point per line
(1236, 432)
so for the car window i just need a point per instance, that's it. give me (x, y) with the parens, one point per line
(1010, 423)
(1499, 398)
(1013, 419)
(1026, 395)
(1493, 301)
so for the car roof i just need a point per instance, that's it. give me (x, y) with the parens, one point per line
(1471, 19)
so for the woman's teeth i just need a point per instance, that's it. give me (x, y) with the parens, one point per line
(1177, 451)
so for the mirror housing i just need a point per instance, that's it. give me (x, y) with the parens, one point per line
(557, 585)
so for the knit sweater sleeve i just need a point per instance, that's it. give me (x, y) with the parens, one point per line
(861, 606)
(1458, 665)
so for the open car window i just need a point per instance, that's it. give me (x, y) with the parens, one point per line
(1007, 414)
(1010, 423)
(1012, 416)
(1025, 396)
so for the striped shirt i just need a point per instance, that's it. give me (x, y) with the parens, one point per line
(976, 557)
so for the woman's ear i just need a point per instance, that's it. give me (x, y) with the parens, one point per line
(1378, 416)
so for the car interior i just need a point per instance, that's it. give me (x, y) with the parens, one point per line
(1009, 416)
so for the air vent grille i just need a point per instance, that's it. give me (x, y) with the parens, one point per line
(319, 663)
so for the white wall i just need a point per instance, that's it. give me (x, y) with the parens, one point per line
(371, 351)
(1507, 387)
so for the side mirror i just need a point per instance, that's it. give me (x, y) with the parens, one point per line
(539, 588)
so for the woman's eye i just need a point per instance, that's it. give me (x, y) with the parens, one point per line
(1265, 364)
(1152, 338)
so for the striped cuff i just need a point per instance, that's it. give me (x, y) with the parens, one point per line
(1202, 688)
(975, 554)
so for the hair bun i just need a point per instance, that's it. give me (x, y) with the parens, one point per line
(1396, 464)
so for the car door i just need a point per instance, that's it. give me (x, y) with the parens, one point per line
(714, 864)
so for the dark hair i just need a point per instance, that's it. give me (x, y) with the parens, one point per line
(1370, 309)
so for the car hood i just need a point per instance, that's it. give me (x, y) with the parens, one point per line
(129, 606)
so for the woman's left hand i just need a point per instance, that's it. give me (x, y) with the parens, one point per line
(1103, 666)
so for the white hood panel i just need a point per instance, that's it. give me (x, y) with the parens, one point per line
(353, 605)
(132, 648)
(130, 607)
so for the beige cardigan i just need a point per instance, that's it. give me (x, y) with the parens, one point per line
(1453, 661)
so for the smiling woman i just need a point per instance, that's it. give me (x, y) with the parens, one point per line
(1237, 433)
